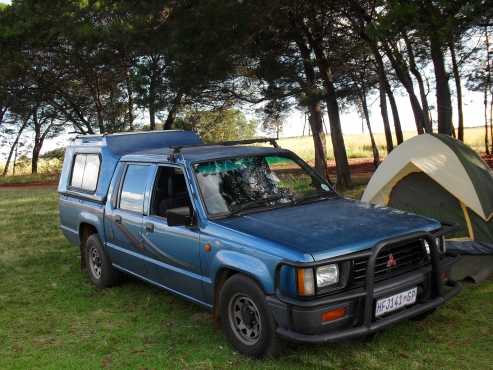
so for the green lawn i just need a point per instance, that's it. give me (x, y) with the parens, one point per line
(51, 317)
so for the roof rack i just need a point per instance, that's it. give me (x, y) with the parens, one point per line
(272, 141)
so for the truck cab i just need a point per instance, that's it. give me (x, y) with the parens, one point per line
(250, 232)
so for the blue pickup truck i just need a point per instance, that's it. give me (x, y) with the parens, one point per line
(251, 233)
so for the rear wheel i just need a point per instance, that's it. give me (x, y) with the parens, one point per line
(99, 268)
(245, 319)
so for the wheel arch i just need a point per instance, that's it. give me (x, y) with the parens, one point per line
(85, 231)
(225, 271)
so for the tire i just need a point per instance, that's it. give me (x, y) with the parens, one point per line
(423, 316)
(99, 268)
(245, 319)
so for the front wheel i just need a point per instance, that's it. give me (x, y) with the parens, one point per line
(245, 319)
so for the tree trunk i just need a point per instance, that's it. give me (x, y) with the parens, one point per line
(458, 88)
(152, 116)
(342, 165)
(384, 80)
(444, 101)
(491, 124)
(340, 155)
(315, 119)
(487, 89)
(3, 111)
(130, 104)
(152, 92)
(319, 142)
(486, 136)
(35, 159)
(376, 154)
(13, 147)
(36, 147)
(385, 117)
(372, 43)
(419, 79)
(170, 120)
(403, 74)
(15, 160)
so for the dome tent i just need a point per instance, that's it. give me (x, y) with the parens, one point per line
(439, 177)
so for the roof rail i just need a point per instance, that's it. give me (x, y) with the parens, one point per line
(272, 141)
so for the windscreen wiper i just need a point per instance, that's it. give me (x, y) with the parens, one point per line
(255, 203)
(313, 198)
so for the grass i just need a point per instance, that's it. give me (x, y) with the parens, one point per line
(51, 317)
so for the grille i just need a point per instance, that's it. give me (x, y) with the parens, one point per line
(407, 256)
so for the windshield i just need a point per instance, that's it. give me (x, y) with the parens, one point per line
(230, 186)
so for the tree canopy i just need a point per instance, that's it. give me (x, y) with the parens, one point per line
(106, 66)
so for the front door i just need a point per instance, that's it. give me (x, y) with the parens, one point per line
(175, 249)
(126, 245)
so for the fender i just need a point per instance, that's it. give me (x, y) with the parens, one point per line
(249, 265)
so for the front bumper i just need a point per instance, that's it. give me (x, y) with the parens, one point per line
(301, 321)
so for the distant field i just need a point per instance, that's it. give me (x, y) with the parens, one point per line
(358, 146)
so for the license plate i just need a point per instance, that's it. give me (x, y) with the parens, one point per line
(396, 301)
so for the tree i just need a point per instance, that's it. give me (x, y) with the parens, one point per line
(218, 125)
(15, 129)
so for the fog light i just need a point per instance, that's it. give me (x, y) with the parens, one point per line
(334, 314)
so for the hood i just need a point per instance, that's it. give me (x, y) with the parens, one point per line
(331, 227)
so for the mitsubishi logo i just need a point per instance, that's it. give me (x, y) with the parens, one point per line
(391, 262)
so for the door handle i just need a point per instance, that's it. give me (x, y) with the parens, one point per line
(149, 226)
(118, 219)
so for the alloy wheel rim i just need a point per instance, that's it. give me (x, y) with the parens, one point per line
(95, 262)
(244, 318)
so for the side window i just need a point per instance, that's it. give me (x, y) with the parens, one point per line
(170, 191)
(85, 172)
(133, 188)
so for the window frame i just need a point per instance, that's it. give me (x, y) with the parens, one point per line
(151, 195)
(80, 189)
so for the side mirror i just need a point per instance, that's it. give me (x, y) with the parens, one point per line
(179, 217)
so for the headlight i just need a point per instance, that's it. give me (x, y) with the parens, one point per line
(427, 247)
(327, 275)
(440, 244)
(323, 276)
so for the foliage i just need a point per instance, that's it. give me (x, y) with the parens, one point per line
(105, 66)
(219, 125)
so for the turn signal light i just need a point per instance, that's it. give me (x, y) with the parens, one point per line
(334, 314)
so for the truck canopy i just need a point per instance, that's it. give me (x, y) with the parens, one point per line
(109, 149)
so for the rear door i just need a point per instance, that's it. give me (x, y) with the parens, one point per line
(126, 244)
(175, 249)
